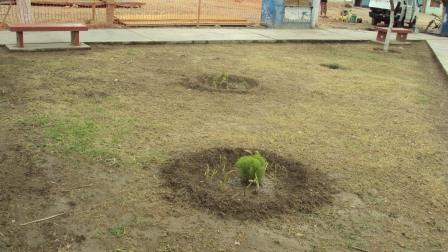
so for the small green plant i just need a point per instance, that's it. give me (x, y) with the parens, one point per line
(117, 231)
(252, 168)
(221, 81)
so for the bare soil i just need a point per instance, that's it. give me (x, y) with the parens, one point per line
(222, 83)
(210, 180)
(88, 134)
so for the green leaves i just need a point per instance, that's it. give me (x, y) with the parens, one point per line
(252, 168)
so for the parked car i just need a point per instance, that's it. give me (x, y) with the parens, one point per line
(405, 14)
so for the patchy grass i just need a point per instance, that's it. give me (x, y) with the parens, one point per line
(378, 129)
(74, 136)
(117, 231)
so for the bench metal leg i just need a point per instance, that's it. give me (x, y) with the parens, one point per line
(402, 37)
(75, 38)
(381, 36)
(19, 36)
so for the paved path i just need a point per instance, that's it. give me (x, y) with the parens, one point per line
(440, 49)
(188, 35)
(439, 45)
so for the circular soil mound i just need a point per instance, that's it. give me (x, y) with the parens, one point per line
(210, 180)
(222, 83)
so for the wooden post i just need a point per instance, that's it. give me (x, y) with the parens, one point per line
(199, 12)
(24, 11)
(93, 12)
(110, 9)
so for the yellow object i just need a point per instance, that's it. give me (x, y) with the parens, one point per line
(344, 18)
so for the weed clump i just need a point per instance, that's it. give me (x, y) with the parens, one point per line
(226, 83)
(252, 168)
(333, 66)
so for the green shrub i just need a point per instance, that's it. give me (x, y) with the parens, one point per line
(252, 168)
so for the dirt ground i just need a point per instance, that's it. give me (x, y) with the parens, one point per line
(208, 179)
(334, 10)
(86, 134)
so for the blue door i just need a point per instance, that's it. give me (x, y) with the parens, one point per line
(444, 30)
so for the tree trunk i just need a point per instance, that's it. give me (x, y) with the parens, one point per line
(391, 24)
(24, 11)
(315, 13)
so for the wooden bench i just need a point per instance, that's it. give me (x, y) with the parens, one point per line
(74, 29)
(402, 34)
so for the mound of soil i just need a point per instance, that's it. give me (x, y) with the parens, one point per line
(222, 83)
(209, 180)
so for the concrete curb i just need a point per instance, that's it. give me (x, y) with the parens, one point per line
(267, 41)
(443, 68)
(45, 47)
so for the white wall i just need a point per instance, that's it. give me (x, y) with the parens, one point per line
(433, 10)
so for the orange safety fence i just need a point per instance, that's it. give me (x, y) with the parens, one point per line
(138, 12)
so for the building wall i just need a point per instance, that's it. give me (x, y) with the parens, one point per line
(365, 3)
(431, 8)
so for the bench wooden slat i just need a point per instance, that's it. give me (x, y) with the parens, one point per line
(396, 30)
(74, 30)
(402, 34)
(47, 27)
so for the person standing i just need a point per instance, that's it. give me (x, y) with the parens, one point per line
(323, 8)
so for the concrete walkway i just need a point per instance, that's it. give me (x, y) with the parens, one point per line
(189, 35)
(439, 45)
(440, 49)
